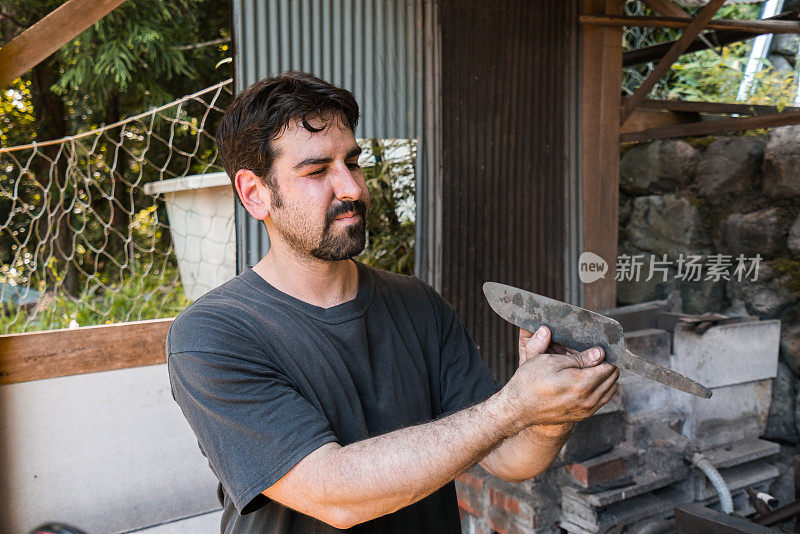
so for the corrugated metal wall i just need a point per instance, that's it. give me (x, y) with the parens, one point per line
(509, 157)
(371, 47)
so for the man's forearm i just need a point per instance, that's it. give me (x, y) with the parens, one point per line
(380, 475)
(527, 453)
(348, 485)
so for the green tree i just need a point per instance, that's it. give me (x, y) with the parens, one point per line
(390, 225)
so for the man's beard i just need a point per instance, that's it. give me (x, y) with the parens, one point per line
(331, 247)
(341, 247)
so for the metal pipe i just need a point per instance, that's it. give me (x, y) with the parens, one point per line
(780, 515)
(725, 500)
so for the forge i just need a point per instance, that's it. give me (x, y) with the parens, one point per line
(628, 467)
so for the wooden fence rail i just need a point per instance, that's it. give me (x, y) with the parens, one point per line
(53, 353)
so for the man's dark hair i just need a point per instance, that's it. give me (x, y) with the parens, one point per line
(261, 112)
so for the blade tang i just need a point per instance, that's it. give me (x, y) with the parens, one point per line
(636, 364)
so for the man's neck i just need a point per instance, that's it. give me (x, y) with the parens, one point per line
(320, 283)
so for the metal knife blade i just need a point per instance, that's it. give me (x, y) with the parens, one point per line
(580, 329)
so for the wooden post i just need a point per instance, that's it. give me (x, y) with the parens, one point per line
(49, 34)
(602, 79)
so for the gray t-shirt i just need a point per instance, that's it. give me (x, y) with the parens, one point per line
(264, 379)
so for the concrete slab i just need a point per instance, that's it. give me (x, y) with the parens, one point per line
(572, 528)
(728, 354)
(644, 482)
(638, 394)
(733, 413)
(622, 513)
(641, 396)
(741, 452)
(105, 452)
(594, 436)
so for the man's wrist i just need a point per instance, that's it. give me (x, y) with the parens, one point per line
(505, 412)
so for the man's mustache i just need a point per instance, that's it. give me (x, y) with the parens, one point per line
(346, 206)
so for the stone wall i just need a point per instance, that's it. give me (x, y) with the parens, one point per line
(718, 201)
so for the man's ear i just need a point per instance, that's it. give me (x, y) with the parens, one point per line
(253, 193)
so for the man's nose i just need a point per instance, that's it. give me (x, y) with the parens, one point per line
(345, 185)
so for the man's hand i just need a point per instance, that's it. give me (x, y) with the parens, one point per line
(553, 389)
(550, 390)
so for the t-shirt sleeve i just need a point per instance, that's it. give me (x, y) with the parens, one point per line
(251, 423)
(464, 377)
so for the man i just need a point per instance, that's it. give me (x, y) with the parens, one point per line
(327, 394)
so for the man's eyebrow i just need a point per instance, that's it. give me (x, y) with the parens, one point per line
(324, 160)
(311, 161)
(353, 153)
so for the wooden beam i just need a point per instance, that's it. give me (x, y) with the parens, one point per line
(600, 103)
(713, 39)
(656, 52)
(713, 127)
(58, 28)
(716, 108)
(646, 119)
(53, 353)
(755, 27)
(675, 51)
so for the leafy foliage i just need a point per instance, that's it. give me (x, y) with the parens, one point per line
(140, 294)
(17, 118)
(708, 75)
(389, 173)
(138, 53)
(144, 53)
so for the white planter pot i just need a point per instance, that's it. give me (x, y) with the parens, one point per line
(200, 210)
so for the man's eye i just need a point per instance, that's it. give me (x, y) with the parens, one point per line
(317, 172)
(353, 166)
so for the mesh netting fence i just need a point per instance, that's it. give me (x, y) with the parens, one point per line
(634, 37)
(85, 240)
